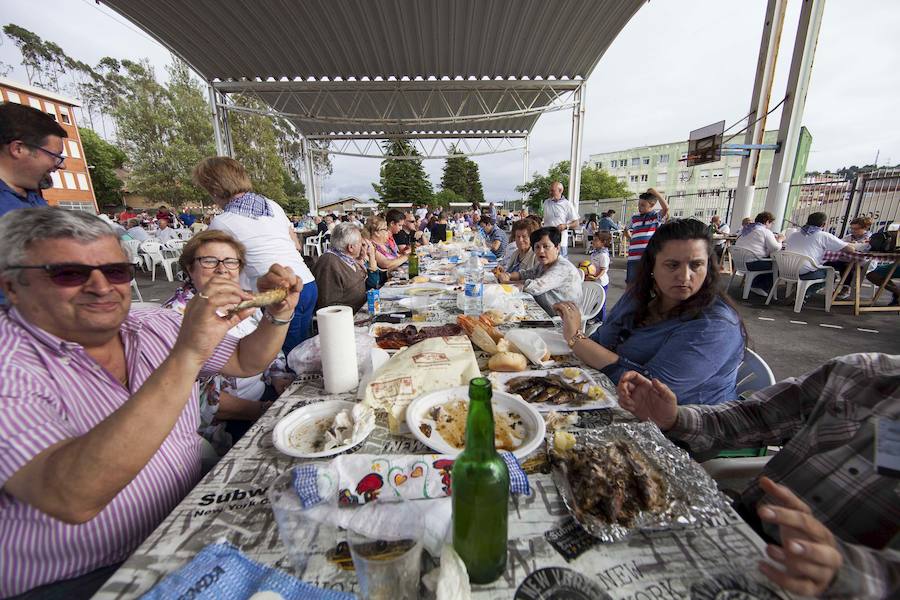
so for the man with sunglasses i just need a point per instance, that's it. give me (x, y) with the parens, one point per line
(99, 405)
(31, 145)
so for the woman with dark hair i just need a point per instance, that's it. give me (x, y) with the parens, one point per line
(553, 279)
(672, 324)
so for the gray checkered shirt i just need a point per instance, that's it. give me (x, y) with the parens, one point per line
(826, 422)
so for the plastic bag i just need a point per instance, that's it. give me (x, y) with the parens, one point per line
(307, 358)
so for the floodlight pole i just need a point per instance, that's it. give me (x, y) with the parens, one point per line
(221, 149)
(311, 188)
(759, 105)
(792, 111)
(575, 156)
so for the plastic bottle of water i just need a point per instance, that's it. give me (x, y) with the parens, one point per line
(474, 286)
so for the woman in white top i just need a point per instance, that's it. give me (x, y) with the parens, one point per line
(758, 239)
(265, 231)
(814, 242)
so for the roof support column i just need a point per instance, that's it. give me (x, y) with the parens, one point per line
(216, 123)
(310, 179)
(575, 156)
(759, 105)
(792, 111)
(525, 169)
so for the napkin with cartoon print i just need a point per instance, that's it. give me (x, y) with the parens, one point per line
(356, 479)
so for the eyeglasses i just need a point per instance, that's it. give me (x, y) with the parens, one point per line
(75, 274)
(211, 262)
(60, 159)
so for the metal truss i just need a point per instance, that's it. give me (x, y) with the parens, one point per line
(323, 108)
(427, 147)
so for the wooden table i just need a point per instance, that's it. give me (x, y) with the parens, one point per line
(726, 265)
(855, 264)
(714, 560)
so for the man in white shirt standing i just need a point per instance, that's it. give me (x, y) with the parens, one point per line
(814, 242)
(559, 212)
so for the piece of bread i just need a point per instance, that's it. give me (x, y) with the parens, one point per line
(508, 361)
(421, 279)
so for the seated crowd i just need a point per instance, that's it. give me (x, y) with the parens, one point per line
(101, 404)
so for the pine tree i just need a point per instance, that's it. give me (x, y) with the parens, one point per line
(402, 180)
(461, 176)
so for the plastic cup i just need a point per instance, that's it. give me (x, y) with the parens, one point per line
(387, 562)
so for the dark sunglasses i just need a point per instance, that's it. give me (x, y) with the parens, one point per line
(74, 274)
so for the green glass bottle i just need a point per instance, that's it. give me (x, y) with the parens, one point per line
(480, 492)
(413, 260)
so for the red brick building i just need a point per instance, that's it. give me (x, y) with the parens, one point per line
(72, 187)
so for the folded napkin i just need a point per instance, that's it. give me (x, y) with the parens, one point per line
(222, 572)
(356, 479)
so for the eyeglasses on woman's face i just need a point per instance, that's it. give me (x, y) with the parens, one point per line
(211, 262)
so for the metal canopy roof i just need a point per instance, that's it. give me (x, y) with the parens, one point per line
(364, 68)
(235, 39)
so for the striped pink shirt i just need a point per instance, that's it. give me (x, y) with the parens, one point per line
(51, 390)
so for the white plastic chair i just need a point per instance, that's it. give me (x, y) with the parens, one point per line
(787, 269)
(173, 248)
(184, 233)
(154, 256)
(313, 244)
(754, 373)
(740, 257)
(132, 250)
(137, 290)
(593, 297)
(583, 274)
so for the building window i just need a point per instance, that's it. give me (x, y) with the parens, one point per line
(84, 206)
(643, 178)
(57, 180)
(69, 179)
(82, 181)
(734, 171)
(50, 109)
(599, 165)
(635, 162)
(663, 159)
(13, 97)
(73, 149)
(661, 178)
(645, 160)
(698, 212)
(678, 213)
(718, 173)
(64, 115)
(704, 174)
(35, 103)
(633, 179)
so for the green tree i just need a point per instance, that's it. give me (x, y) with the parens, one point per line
(596, 184)
(295, 192)
(402, 179)
(256, 146)
(444, 197)
(103, 159)
(461, 175)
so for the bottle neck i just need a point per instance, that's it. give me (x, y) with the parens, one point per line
(480, 427)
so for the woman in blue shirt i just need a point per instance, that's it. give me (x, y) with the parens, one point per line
(673, 323)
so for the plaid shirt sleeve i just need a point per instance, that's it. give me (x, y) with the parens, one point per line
(865, 573)
(769, 417)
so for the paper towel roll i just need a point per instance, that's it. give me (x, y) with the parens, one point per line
(338, 346)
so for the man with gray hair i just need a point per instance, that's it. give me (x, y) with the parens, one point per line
(99, 404)
(339, 273)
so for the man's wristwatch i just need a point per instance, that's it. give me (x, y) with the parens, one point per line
(574, 339)
(275, 320)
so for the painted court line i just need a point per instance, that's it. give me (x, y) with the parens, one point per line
(830, 326)
(799, 322)
(867, 330)
(765, 319)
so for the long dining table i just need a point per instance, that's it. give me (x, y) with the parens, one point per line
(548, 552)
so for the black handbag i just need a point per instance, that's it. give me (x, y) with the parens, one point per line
(882, 241)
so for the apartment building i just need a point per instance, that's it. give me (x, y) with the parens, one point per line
(72, 187)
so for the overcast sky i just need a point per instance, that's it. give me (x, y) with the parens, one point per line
(676, 66)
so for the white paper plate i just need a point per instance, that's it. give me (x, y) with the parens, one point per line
(418, 411)
(418, 302)
(311, 418)
(583, 380)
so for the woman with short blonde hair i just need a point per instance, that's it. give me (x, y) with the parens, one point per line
(265, 231)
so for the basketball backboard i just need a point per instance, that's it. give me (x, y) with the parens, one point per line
(705, 144)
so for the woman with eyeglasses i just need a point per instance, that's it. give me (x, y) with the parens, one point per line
(228, 405)
(673, 323)
(387, 255)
